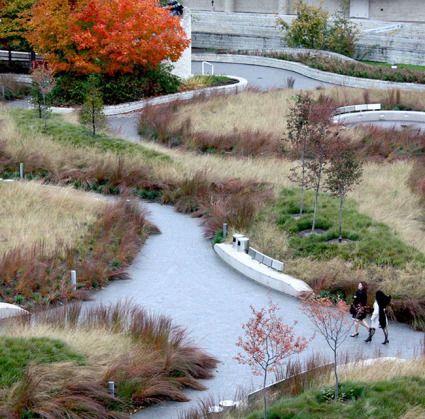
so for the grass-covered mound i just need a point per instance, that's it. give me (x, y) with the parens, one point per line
(368, 242)
(79, 137)
(381, 400)
(59, 366)
(17, 353)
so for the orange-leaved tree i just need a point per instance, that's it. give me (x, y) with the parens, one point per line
(105, 36)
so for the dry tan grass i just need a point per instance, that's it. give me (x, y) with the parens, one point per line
(381, 369)
(31, 213)
(385, 197)
(267, 111)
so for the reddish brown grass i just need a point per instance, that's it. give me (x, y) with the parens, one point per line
(158, 124)
(29, 277)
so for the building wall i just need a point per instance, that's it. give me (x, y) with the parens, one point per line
(257, 6)
(396, 10)
(183, 67)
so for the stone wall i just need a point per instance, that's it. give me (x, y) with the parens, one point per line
(396, 10)
(254, 31)
(257, 6)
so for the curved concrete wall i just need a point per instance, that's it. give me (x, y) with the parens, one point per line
(140, 104)
(319, 75)
(260, 273)
(403, 117)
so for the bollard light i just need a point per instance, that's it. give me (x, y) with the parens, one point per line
(74, 280)
(111, 387)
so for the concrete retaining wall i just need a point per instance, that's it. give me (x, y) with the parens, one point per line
(138, 105)
(403, 117)
(256, 31)
(260, 273)
(319, 75)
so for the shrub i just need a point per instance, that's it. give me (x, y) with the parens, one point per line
(312, 29)
(12, 89)
(71, 89)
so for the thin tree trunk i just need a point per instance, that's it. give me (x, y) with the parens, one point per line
(44, 112)
(264, 394)
(316, 197)
(341, 203)
(336, 377)
(302, 179)
(93, 120)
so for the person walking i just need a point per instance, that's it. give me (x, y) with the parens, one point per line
(379, 316)
(358, 308)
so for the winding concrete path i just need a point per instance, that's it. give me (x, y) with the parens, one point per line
(178, 274)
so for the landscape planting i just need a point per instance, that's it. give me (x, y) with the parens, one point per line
(332, 213)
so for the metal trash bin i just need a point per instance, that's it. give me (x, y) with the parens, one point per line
(236, 237)
(243, 244)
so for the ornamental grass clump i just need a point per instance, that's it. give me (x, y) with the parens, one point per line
(148, 357)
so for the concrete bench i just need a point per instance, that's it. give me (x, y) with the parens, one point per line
(265, 260)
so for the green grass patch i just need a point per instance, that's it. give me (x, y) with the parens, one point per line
(371, 243)
(18, 353)
(380, 400)
(208, 80)
(78, 136)
(401, 66)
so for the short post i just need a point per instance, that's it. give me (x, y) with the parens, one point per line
(74, 280)
(3, 92)
(225, 230)
(111, 387)
(21, 170)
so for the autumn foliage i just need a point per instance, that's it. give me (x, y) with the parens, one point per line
(105, 36)
(268, 341)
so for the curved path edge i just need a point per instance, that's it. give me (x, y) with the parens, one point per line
(160, 100)
(262, 274)
(408, 117)
(319, 75)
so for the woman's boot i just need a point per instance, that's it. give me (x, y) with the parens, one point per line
(371, 333)
(386, 336)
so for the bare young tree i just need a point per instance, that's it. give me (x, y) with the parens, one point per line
(268, 341)
(297, 128)
(343, 173)
(91, 113)
(333, 323)
(43, 84)
(315, 167)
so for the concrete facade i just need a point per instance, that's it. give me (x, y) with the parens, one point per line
(390, 10)
(379, 41)
(183, 67)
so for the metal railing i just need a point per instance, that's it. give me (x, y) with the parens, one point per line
(204, 63)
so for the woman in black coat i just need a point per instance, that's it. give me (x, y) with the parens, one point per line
(379, 316)
(358, 308)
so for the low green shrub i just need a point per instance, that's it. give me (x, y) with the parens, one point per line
(71, 89)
